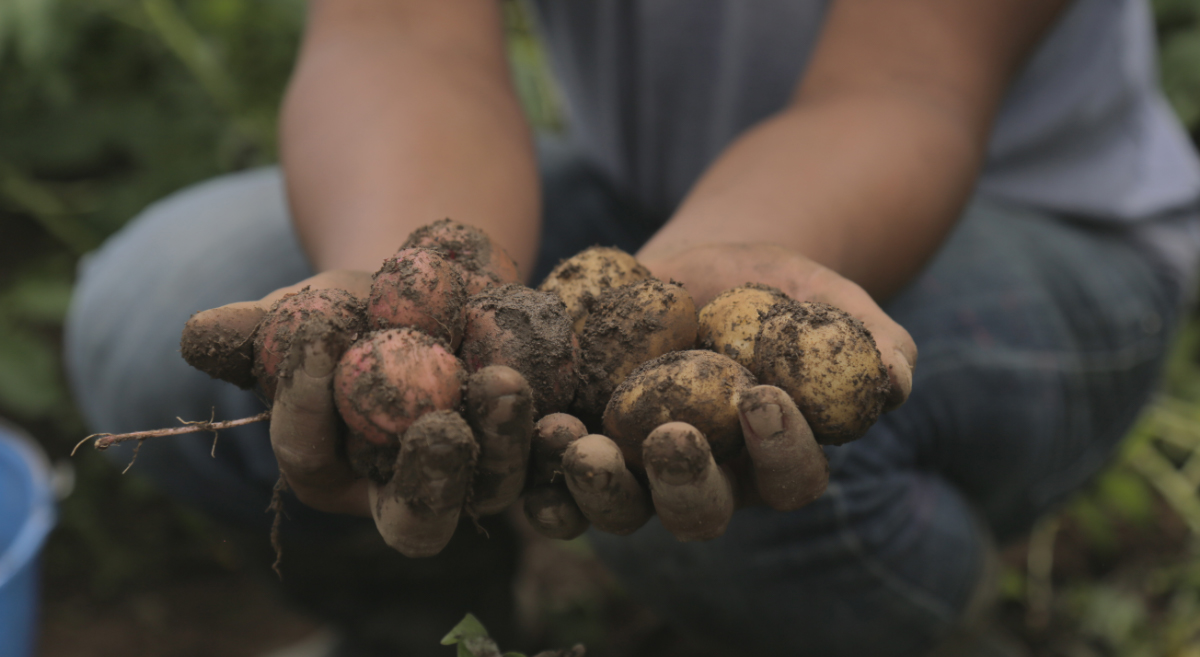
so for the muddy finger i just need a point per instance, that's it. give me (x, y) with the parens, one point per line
(692, 496)
(220, 342)
(790, 469)
(551, 437)
(500, 410)
(553, 513)
(304, 437)
(605, 490)
(417, 511)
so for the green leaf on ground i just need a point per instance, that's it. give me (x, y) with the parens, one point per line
(468, 628)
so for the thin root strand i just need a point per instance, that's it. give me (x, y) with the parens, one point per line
(106, 440)
(276, 507)
(136, 448)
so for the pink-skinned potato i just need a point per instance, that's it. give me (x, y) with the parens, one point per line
(418, 288)
(384, 383)
(482, 263)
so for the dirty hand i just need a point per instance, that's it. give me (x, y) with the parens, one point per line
(306, 433)
(581, 479)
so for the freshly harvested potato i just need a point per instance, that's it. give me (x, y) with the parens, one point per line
(383, 384)
(482, 263)
(628, 326)
(828, 363)
(530, 332)
(420, 289)
(698, 387)
(581, 279)
(730, 322)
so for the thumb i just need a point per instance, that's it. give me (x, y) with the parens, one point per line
(220, 341)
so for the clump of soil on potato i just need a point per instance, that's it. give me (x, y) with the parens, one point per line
(331, 315)
(628, 326)
(530, 332)
(700, 388)
(482, 264)
(828, 363)
(581, 279)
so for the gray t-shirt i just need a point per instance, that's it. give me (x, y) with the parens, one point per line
(656, 89)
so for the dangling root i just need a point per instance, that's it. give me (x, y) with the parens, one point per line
(276, 506)
(106, 440)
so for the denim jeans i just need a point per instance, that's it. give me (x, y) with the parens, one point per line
(1040, 338)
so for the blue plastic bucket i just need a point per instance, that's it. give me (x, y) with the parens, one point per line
(26, 516)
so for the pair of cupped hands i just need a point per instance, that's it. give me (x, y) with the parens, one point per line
(781, 466)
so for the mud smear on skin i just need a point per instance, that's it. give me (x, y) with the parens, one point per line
(374, 391)
(679, 455)
(437, 457)
(224, 349)
(512, 436)
(329, 315)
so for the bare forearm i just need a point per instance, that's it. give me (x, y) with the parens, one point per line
(865, 186)
(868, 168)
(399, 125)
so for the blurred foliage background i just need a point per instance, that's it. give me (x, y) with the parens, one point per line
(108, 105)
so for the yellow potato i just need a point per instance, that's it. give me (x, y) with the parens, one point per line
(700, 388)
(828, 363)
(581, 279)
(628, 326)
(730, 322)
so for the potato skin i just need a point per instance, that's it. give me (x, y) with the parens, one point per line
(482, 263)
(384, 383)
(328, 314)
(581, 279)
(827, 362)
(418, 288)
(530, 332)
(729, 323)
(628, 326)
(698, 387)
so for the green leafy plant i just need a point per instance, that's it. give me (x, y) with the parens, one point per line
(472, 640)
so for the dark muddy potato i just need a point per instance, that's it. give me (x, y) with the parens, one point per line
(581, 279)
(700, 388)
(383, 384)
(330, 314)
(420, 289)
(828, 363)
(482, 263)
(530, 332)
(628, 326)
